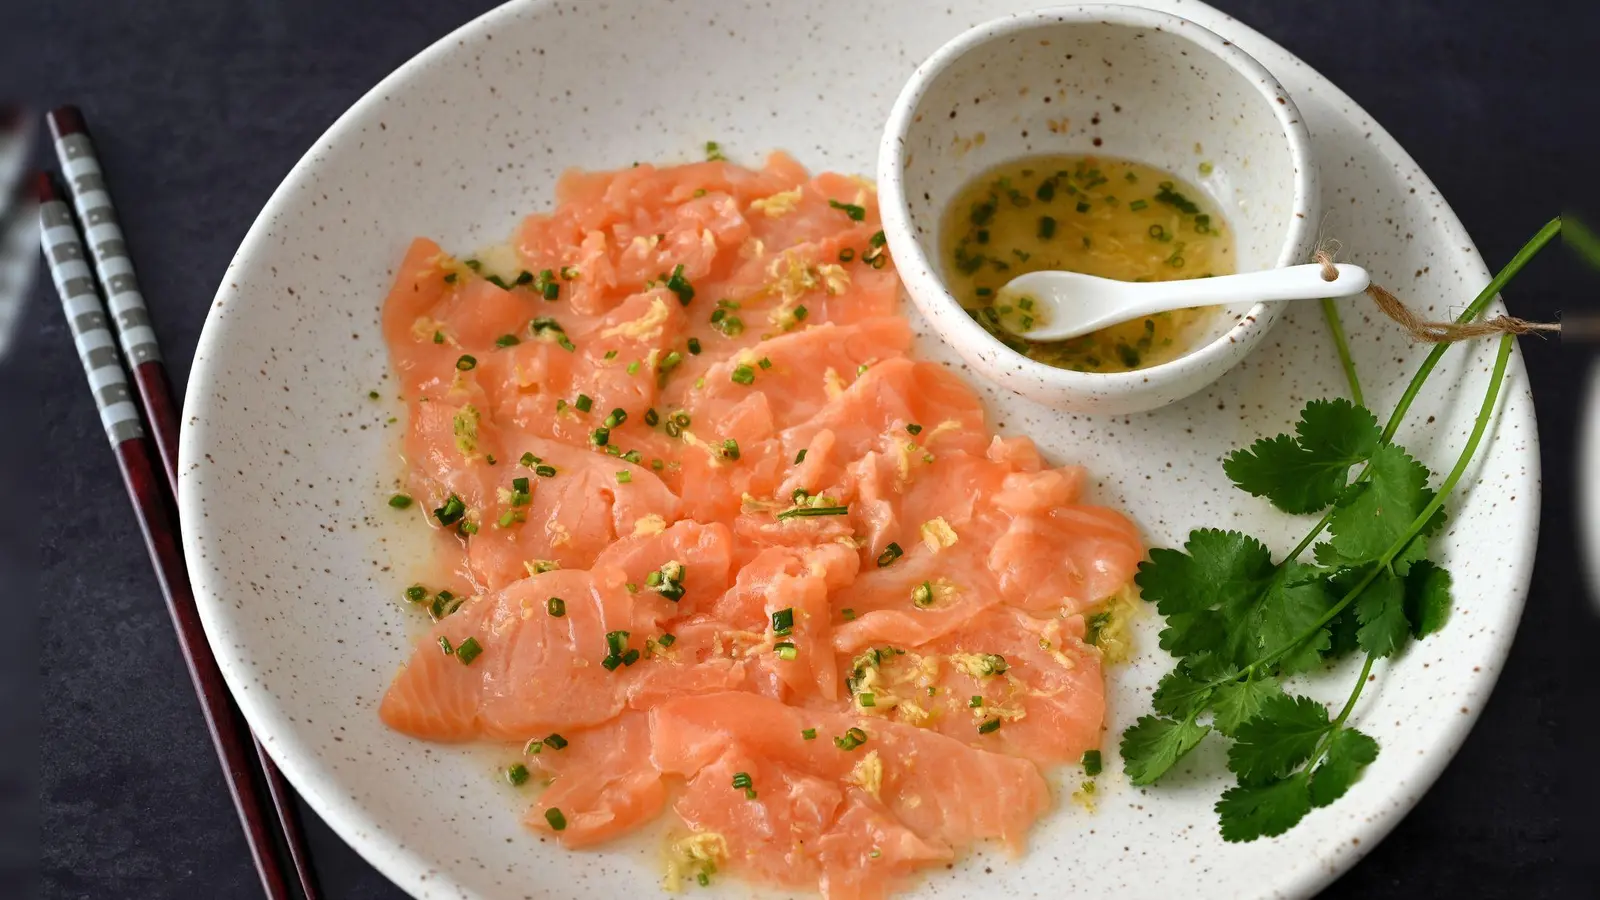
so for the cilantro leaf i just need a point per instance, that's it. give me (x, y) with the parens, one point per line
(1427, 598)
(1372, 515)
(1181, 694)
(1218, 568)
(1250, 812)
(1152, 746)
(1381, 610)
(1306, 473)
(1349, 752)
(1214, 567)
(1295, 601)
(1240, 701)
(1279, 738)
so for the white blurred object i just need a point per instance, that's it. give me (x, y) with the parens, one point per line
(1589, 484)
(19, 224)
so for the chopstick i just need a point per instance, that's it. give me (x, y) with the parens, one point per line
(121, 417)
(114, 266)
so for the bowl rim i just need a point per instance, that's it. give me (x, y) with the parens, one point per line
(925, 287)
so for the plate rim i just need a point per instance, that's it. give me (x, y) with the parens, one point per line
(362, 831)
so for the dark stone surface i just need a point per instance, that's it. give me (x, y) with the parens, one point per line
(201, 107)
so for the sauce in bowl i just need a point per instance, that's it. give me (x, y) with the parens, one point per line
(1092, 214)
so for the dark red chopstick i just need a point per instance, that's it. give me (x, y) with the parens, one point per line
(155, 506)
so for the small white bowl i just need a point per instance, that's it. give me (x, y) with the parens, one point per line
(1121, 81)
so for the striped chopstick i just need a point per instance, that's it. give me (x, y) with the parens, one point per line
(114, 266)
(120, 415)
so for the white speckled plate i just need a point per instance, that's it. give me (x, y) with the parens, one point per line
(298, 562)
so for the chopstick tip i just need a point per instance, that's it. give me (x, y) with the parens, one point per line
(65, 120)
(46, 187)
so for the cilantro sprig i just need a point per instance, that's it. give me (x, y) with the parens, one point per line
(1238, 622)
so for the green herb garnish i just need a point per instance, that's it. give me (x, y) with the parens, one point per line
(856, 213)
(1238, 623)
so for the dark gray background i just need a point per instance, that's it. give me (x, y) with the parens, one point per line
(201, 107)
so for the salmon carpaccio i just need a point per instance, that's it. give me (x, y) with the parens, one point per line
(717, 531)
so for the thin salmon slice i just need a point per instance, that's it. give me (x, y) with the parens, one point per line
(707, 516)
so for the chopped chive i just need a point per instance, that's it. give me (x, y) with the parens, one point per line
(566, 344)
(800, 313)
(1083, 206)
(783, 621)
(667, 640)
(438, 337)
(1047, 228)
(558, 822)
(806, 512)
(517, 775)
(624, 477)
(528, 460)
(633, 367)
(730, 448)
(670, 361)
(634, 457)
(473, 264)
(506, 518)
(741, 780)
(616, 642)
(989, 727)
(742, 375)
(867, 701)
(679, 285)
(556, 606)
(847, 254)
(1137, 205)
(694, 346)
(451, 512)
(914, 428)
(651, 417)
(976, 702)
(1092, 763)
(466, 362)
(809, 734)
(556, 742)
(851, 739)
(617, 417)
(889, 555)
(545, 471)
(856, 213)
(468, 651)
(785, 650)
(611, 663)
(800, 457)
(498, 282)
(600, 436)
(922, 595)
(765, 363)
(450, 278)
(416, 593)
(848, 614)
(444, 644)
(713, 152)
(584, 403)
(631, 657)
(525, 277)
(400, 501)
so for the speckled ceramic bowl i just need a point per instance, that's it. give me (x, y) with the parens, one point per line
(1123, 81)
(298, 563)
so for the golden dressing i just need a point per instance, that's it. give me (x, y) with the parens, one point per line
(1091, 214)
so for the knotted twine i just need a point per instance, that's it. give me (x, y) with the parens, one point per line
(1427, 331)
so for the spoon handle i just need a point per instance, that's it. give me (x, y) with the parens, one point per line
(1289, 283)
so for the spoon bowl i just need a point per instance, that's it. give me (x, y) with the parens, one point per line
(1071, 304)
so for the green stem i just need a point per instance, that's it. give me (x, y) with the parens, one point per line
(1484, 298)
(1326, 741)
(1479, 426)
(1330, 311)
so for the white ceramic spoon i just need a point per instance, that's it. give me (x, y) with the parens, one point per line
(1069, 304)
